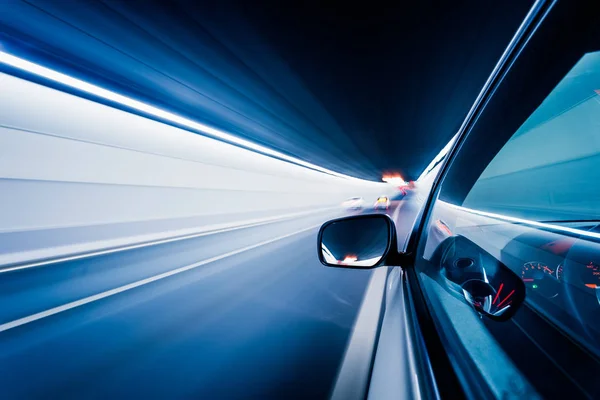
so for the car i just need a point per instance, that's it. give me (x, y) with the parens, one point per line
(354, 203)
(404, 189)
(493, 290)
(382, 202)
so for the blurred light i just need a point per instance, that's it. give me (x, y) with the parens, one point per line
(438, 158)
(523, 221)
(362, 263)
(327, 254)
(354, 203)
(349, 259)
(394, 179)
(66, 80)
(442, 226)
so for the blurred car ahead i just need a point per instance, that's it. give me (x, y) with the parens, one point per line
(382, 202)
(354, 203)
(405, 188)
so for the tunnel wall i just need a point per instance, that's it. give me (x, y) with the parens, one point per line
(66, 161)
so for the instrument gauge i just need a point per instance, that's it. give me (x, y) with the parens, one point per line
(590, 276)
(540, 278)
(560, 272)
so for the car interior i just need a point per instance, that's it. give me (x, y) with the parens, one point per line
(516, 199)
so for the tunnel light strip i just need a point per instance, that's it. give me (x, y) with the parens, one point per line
(535, 224)
(28, 66)
(327, 254)
(329, 258)
(438, 158)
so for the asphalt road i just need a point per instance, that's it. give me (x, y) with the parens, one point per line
(268, 321)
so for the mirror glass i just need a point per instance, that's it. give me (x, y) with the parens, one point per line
(355, 242)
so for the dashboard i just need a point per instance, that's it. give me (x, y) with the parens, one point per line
(547, 281)
(562, 279)
(560, 272)
(553, 335)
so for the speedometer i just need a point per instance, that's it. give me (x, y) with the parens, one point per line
(560, 272)
(590, 276)
(540, 279)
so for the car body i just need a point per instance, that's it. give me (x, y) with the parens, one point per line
(382, 203)
(493, 290)
(354, 203)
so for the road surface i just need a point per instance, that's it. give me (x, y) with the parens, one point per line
(249, 313)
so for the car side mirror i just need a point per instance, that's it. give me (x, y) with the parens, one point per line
(362, 241)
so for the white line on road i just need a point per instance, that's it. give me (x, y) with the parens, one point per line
(232, 227)
(43, 314)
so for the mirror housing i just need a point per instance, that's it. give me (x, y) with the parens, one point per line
(361, 241)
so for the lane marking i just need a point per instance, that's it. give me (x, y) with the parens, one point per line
(156, 242)
(77, 303)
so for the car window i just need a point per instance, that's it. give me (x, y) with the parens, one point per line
(511, 270)
(549, 168)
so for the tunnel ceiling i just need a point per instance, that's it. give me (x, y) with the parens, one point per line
(361, 89)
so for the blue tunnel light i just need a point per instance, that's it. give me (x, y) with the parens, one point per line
(46, 73)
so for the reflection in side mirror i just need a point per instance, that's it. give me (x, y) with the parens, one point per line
(356, 242)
